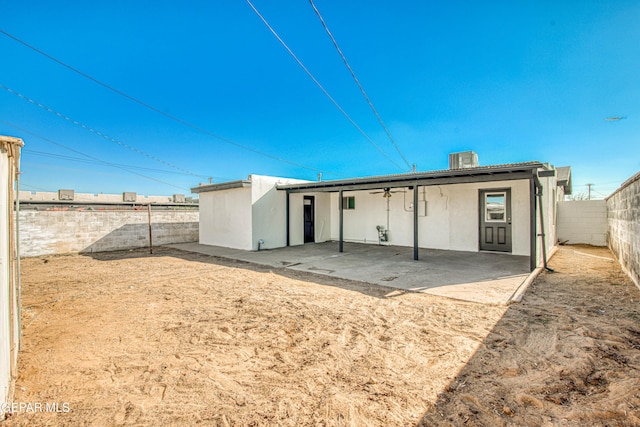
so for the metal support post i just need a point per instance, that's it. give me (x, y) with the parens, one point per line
(415, 223)
(341, 243)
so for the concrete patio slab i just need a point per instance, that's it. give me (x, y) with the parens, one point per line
(484, 277)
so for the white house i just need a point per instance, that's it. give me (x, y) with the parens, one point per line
(465, 208)
(238, 214)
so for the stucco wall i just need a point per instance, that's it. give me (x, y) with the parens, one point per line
(623, 214)
(550, 211)
(239, 217)
(57, 232)
(268, 207)
(323, 203)
(225, 218)
(583, 221)
(371, 211)
(451, 221)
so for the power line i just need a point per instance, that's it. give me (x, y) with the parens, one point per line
(94, 173)
(22, 184)
(312, 77)
(30, 164)
(98, 160)
(77, 159)
(599, 193)
(157, 110)
(353, 75)
(601, 183)
(96, 132)
(94, 162)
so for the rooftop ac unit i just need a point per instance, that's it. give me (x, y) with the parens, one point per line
(66, 194)
(465, 159)
(129, 196)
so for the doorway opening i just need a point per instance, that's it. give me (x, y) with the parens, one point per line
(309, 214)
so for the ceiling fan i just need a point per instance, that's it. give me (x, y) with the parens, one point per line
(386, 192)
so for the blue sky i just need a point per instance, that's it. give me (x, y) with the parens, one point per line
(512, 81)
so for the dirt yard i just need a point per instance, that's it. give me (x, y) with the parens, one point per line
(176, 338)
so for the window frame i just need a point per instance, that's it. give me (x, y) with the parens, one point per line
(348, 203)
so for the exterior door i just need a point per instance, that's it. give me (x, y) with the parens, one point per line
(309, 232)
(495, 220)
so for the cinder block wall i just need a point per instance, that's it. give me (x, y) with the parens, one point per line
(623, 209)
(583, 221)
(59, 232)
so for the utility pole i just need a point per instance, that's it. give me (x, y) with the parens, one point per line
(589, 194)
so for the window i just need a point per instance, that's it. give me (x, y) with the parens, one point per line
(349, 202)
(495, 207)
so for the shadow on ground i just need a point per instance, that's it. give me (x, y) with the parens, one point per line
(569, 354)
(352, 285)
(484, 277)
(481, 277)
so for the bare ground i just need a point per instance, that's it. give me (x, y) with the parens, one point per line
(177, 338)
(568, 355)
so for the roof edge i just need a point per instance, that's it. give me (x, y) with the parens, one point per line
(402, 178)
(241, 183)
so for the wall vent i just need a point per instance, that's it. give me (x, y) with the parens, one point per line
(465, 159)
